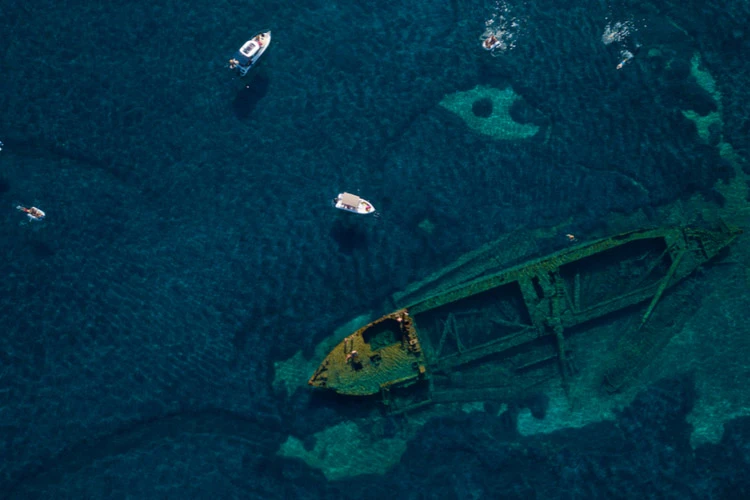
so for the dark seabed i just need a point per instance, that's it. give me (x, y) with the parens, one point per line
(159, 326)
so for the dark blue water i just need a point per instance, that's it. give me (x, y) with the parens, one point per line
(190, 248)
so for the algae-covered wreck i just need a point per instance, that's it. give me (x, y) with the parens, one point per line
(506, 331)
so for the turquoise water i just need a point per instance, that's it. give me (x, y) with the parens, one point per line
(190, 248)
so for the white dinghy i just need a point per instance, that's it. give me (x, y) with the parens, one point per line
(353, 203)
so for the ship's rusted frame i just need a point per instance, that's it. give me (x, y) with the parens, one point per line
(553, 306)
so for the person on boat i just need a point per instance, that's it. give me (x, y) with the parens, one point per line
(352, 357)
(32, 213)
(233, 63)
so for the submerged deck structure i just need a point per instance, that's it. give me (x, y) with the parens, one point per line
(495, 335)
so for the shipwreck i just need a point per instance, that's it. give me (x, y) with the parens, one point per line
(502, 332)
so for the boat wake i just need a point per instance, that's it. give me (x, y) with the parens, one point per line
(500, 30)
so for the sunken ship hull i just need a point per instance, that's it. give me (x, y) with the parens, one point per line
(502, 333)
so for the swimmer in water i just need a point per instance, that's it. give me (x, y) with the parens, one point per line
(627, 56)
(32, 213)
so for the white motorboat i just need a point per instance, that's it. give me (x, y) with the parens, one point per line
(33, 213)
(250, 52)
(353, 203)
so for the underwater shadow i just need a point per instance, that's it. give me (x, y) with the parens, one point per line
(40, 249)
(249, 96)
(348, 237)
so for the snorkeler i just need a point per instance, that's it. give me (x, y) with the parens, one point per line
(32, 213)
(628, 55)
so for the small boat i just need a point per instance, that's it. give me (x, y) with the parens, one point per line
(491, 43)
(250, 52)
(353, 203)
(481, 336)
(33, 213)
